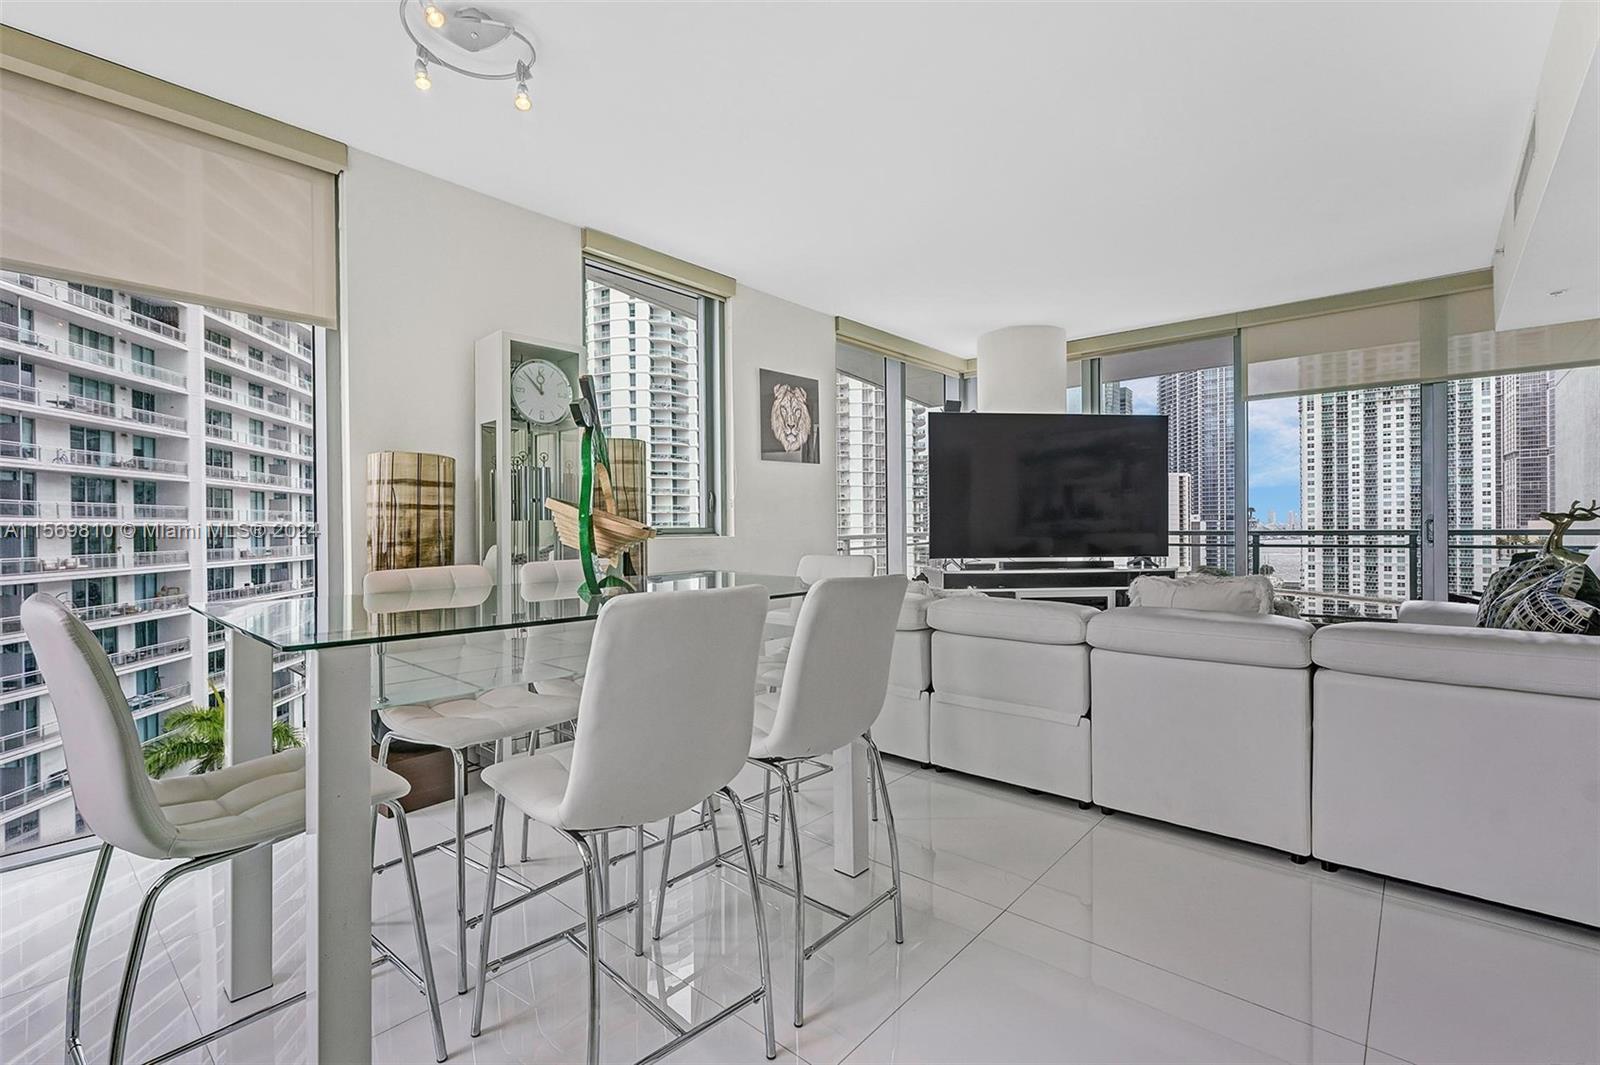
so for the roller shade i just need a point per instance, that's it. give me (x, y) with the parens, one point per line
(99, 192)
(1410, 342)
(630, 256)
(907, 351)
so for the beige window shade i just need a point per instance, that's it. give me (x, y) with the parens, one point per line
(94, 191)
(631, 256)
(893, 347)
(1475, 349)
(1411, 342)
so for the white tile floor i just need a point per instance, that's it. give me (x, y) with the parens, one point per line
(1035, 931)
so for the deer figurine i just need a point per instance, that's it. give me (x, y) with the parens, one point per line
(1560, 522)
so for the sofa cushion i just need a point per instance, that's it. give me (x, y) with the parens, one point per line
(1201, 591)
(1205, 635)
(1026, 620)
(914, 610)
(1546, 662)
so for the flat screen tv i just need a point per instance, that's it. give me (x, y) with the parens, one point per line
(1047, 485)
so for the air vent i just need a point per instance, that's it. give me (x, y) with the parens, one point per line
(1523, 168)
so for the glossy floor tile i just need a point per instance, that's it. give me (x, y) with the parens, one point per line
(1034, 931)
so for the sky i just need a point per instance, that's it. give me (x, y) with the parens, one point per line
(1274, 448)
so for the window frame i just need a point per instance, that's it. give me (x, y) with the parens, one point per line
(713, 364)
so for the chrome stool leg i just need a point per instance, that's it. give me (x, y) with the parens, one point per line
(461, 870)
(661, 893)
(766, 816)
(80, 955)
(638, 885)
(799, 907)
(430, 989)
(783, 774)
(876, 761)
(762, 950)
(496, 846)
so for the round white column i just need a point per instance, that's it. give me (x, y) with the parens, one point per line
(1022, 369)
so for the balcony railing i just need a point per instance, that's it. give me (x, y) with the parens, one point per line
(259, 367)
(22, 567)
(104, 460)
(31, 793)
(65, 403)
(134, 655)
(59, 511)
(261, 477)
(95, 357)
(251, 591)
(244, 399)
(153, 325)
(285, 340)
(148, 700)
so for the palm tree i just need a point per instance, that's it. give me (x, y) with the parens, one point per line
(196, 734)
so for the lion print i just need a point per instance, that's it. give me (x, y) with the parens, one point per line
(791, 417)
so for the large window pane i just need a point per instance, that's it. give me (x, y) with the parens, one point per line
(863, 469)
(925, 392)
(651, 350)
(1192, 384)
(113, 388)
(1518, 444)
(1336, 495)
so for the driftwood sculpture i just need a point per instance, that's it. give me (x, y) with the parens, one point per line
(1560, 522)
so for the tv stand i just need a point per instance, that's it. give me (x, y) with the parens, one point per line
(1098, 583)
(1056, 563)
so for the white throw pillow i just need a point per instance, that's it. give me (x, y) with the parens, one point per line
(1201, 591)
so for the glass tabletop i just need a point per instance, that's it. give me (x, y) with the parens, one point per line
(388, 617)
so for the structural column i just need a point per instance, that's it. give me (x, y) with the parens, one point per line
(1022, 369)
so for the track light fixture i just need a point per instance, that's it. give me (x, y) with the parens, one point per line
(470, 32)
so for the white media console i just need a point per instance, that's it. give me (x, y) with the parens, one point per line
(1091, 585)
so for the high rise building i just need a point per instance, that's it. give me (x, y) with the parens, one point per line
(125, 422)
(1115, 398)
(1180, 518)
(1473, 471)
(644, 354)
(1199, 409)
(1525, 444)
(863, 469)
(1360, 467)
(916, 486)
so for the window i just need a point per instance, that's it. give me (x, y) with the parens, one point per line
(924, 394)
(1514, 445)
(142, 355)
(863, 516)
(90, 338)
(90, 388)
(662, 390)
(1192, 384)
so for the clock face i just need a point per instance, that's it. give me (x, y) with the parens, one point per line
(540, 392)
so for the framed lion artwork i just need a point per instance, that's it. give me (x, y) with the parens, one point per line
(791, 429)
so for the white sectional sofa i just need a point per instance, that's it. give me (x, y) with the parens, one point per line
(1463, 758)
(1204, 719)
(1429, 750)
(902, 726)
(1011, 692)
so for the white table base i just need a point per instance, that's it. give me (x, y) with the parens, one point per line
(247, 958)
(850, 809)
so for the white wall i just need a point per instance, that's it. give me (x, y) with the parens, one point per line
(430, 267)
(781, 510)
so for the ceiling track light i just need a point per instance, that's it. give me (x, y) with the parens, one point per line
(470, 31)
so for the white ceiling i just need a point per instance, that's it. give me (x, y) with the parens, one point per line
(936, 170)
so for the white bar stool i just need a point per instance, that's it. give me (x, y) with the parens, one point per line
(207, 818)
(834, 682)
(661, 725)
(493, 717)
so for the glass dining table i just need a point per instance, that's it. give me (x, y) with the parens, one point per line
(338, 635)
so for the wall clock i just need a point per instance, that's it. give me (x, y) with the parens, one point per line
(541, 392)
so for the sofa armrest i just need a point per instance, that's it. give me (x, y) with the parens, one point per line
(1429, 612)
(1545, 662)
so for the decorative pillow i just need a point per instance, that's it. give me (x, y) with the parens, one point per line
(1201, 591)
(1567, 600)
(1506, 588)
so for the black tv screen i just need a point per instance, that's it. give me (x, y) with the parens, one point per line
(1047, 485)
